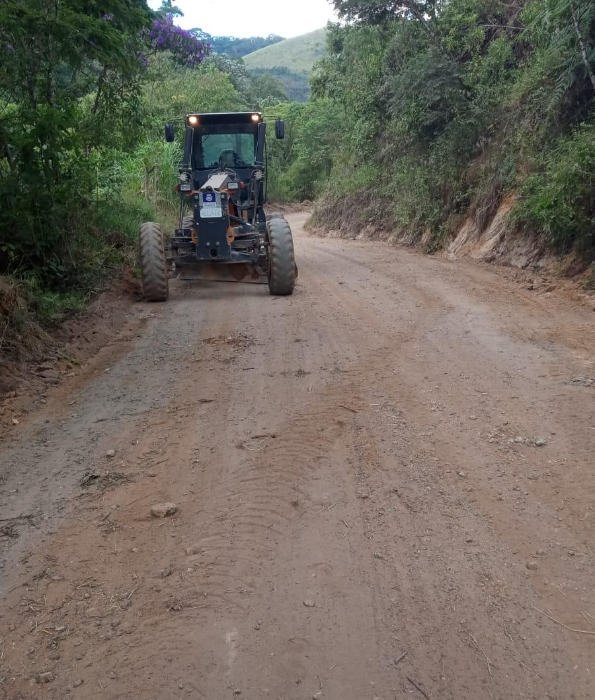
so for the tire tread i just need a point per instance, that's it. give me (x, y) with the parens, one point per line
(153, 263)
(282, 268)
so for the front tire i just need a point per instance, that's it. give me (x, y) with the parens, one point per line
(282, 268)
(153, 263)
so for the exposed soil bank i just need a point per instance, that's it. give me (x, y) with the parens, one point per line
(68, 352)
(492, 239)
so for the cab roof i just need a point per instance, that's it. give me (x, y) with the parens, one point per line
(226, 117)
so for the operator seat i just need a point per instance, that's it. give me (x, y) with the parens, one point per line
(228, 159)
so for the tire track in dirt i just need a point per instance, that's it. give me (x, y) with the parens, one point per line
(311, 561)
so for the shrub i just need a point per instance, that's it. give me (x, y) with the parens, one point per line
(560, 199)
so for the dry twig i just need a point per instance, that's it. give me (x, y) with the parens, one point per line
(570, 629)
(521, 663)
(414, 684)
(482, 651)
(403, 655)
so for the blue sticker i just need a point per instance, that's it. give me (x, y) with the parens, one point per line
(209, 197)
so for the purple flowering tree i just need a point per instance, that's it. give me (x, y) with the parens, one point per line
(186, 49)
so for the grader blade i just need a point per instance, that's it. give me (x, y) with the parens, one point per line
(238, 272)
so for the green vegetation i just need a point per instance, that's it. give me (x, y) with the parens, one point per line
(235, 47)
(300, 165)
(439, 110)
(291, 61)
(295, 85)
(559, 198)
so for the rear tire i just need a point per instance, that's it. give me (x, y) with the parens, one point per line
(282, 268)
(153, 263)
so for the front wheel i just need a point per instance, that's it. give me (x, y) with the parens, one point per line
(153, 263)
(282, 268)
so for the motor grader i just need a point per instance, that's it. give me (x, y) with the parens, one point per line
(223, 232)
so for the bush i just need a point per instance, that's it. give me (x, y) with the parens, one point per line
(560, 200)
(301, 164)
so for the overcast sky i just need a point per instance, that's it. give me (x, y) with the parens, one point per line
(254, 17)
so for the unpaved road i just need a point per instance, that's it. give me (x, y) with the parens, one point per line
(360, 475)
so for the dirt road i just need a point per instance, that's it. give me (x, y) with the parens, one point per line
(385, 489)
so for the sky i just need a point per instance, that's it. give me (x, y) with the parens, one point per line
(254, 17)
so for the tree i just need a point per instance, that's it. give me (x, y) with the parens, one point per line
(168, 8)
(268, 90)
(70, 81)
(574, 24)
(379, 11)
(185, 46)
(50, 52)
(582, 14)
(173, 91)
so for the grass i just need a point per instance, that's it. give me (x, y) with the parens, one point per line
(298, 54)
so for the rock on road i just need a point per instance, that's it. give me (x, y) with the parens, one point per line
(379, 488)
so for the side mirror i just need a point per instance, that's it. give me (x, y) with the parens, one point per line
(280, 129)
(262, 130)
(170, 133)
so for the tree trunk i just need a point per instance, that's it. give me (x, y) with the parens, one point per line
(99, 89)
(422, 20)
(581, 43)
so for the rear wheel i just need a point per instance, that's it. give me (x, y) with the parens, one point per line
(153, 263)
(282, 268)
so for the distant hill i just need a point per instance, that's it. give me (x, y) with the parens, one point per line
(298, 54)
(290, 60)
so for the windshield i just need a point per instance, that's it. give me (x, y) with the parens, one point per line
(221, 150)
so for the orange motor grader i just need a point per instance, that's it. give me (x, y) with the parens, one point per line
(223, 232)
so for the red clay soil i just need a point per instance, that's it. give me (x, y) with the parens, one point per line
(384, 489)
